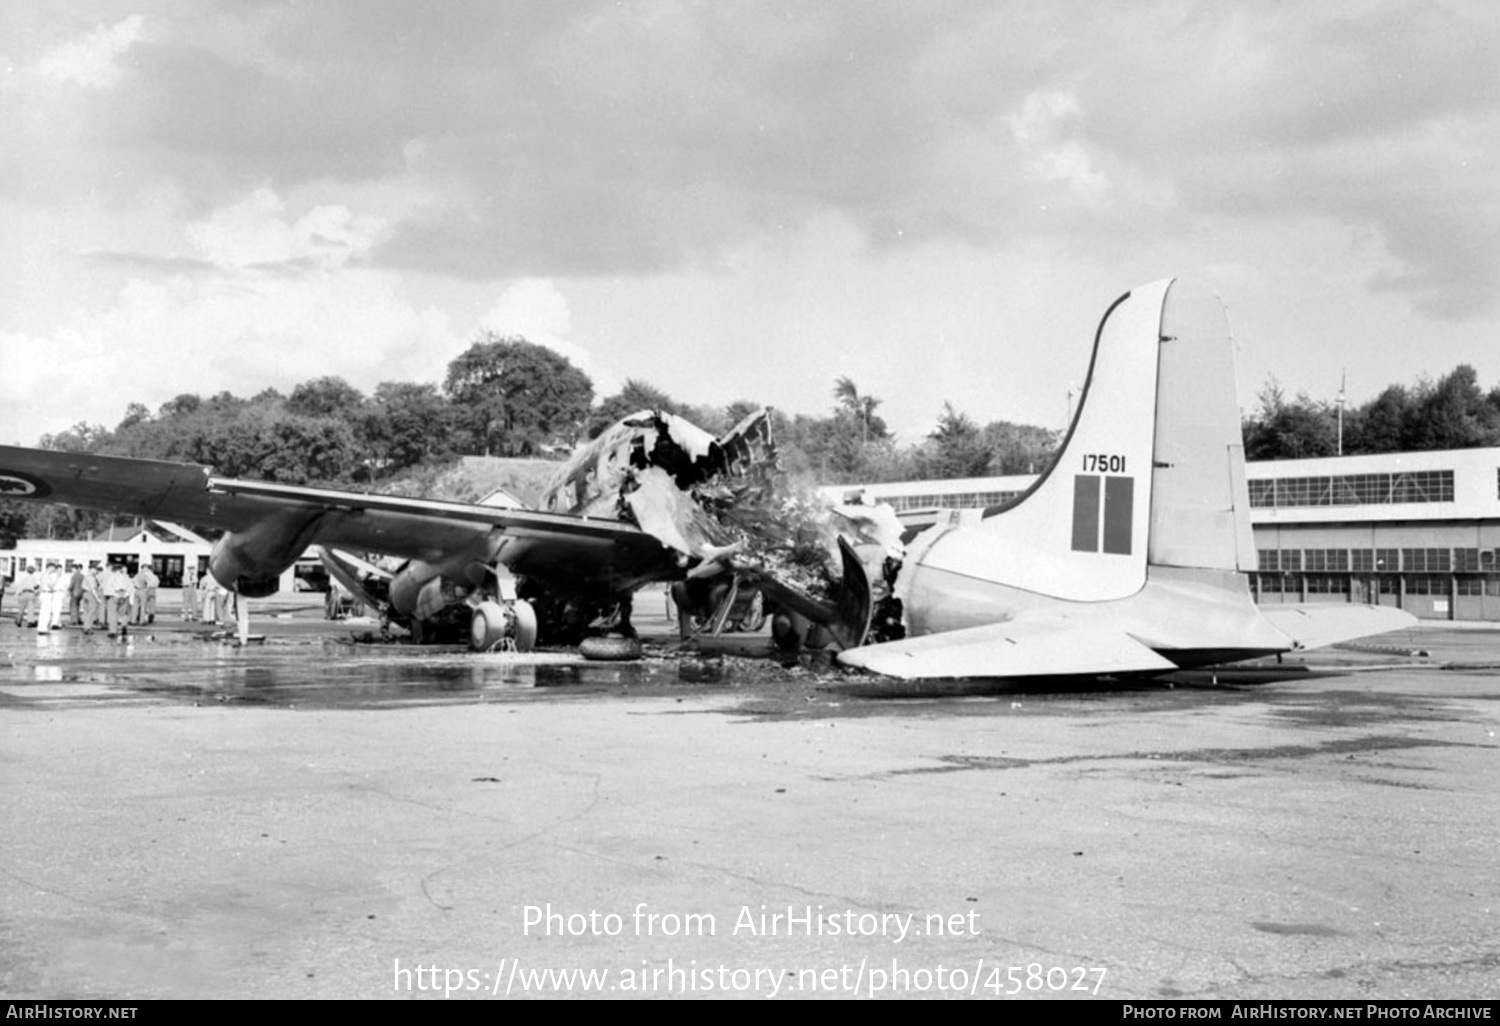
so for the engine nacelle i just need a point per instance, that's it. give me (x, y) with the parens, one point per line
(407, 585)
(419, 589)
(252, 561)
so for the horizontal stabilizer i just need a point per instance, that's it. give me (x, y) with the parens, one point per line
(1028, 646)
(1315, 626)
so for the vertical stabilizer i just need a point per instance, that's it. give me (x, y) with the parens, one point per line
(1082, 530)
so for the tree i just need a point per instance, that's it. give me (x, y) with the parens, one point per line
(955, 448)
(266, 442)
(81, 437)
(634, 396)
(404, 424)
(1290, 430)
(180, 406)
(1381, 425)
(516, 398)
(861, 408)
(135, 413)
(1018, 448)
(740, 409)
(325, 397)
(1453, 414)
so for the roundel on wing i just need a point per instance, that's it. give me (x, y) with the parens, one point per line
(15, 485)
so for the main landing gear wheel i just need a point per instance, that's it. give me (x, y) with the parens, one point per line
(495, 626)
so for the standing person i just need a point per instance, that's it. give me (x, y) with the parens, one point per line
(209, 596)
(117, 592)
(4, 580)
(148, 600)
(75, 595)
(228, 603)
(93, 599)
(138, 595)
(53, 589)
(190, 591)
(26, 582)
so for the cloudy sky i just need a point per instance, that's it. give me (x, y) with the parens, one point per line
(735, 199)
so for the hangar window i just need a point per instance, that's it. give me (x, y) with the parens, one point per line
(946, 500)
(1353, 489)
(1280, 560)
(1288, 559)
(1426, 560)
(1361, 560)
(1422, 486)
(1470, 585)
(1466, 560)
(1327, 584)
(1326, 559)
(1270, 584)
(1427, 584)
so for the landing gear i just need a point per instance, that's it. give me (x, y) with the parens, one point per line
(509, 626)
(789, 630)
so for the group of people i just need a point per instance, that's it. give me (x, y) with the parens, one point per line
(50, 597)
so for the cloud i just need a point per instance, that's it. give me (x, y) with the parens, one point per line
(90, 60)
(270, 300)
(1042, 127)
(253, 233)
(596, 138)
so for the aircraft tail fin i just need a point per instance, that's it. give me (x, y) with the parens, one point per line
(1081, 530)
(1151, 471)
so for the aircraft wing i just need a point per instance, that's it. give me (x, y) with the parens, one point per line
(529, 542)
(1028, 646)
(1315, 626)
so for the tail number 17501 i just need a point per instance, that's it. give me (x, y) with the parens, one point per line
(1103, 463)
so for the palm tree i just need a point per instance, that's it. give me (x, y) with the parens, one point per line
(862, 407)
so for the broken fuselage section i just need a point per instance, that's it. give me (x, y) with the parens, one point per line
(653, 470)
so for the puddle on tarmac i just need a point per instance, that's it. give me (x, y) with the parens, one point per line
(328, 675)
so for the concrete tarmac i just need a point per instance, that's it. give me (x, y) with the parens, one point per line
(309, 818)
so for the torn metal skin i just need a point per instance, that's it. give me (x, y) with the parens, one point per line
(723, 506)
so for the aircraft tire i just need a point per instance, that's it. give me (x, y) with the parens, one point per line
(788, 631)
(491, 624)
(818, 637)
(526, 625)
(487, 627)
(610, 649)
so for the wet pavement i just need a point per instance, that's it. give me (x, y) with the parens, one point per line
(313, 817)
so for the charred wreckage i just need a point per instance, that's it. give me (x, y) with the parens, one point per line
(738, 547)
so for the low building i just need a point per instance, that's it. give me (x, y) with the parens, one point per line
(1420, 531)
(167, 547)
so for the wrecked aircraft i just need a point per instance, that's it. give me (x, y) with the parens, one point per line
(627, 510)
(1130, 554)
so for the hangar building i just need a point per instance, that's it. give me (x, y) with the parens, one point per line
(1419, 530)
